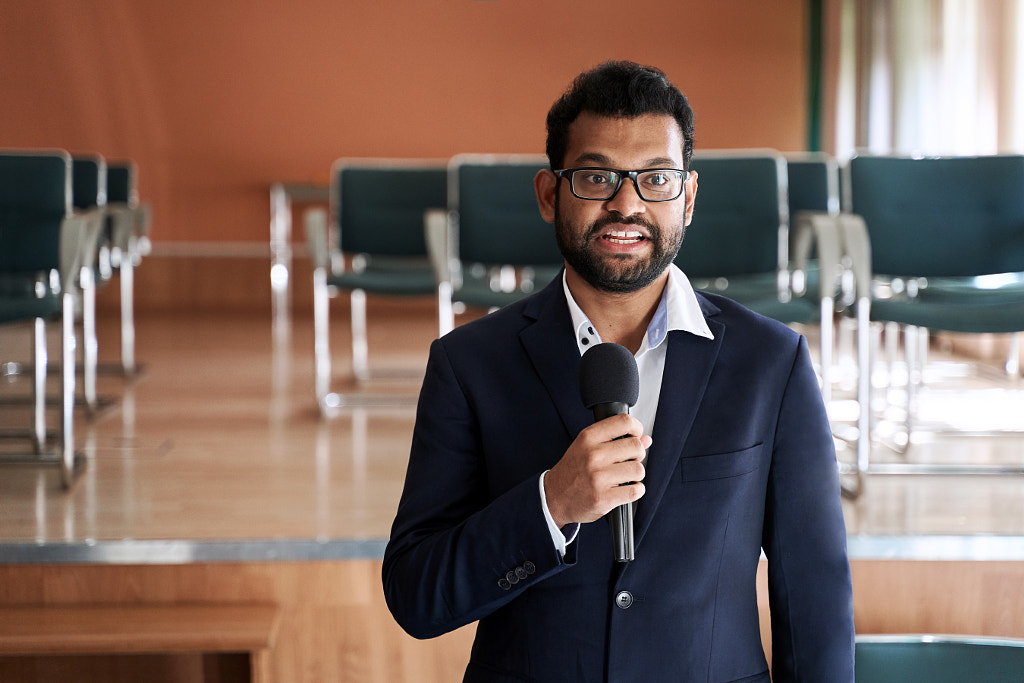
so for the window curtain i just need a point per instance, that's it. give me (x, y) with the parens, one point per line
(930, 77)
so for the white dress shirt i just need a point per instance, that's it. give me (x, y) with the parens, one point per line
(678, 310)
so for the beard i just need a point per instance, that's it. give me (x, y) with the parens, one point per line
(622, 273)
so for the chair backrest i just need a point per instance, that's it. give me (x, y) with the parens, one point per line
(740, 220)
(88, 181)
(813, 182)
(498, 219)
(377, 205)
(938, 659)
(35, 197)
(121, 183)
(940, 216)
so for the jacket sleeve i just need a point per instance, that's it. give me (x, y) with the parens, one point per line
(458, 552)
(810, 593)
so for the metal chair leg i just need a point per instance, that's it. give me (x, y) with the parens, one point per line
(321, 337)
(360, 345)
(1013, 356)
(90, 346)
(864, 364)
(827, 346)
(127, 272)
(446, 312)
(39, 386)
(68, 390)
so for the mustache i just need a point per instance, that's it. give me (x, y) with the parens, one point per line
(600, 224)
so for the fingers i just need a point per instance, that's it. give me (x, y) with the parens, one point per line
(612, 428)
(601, 470)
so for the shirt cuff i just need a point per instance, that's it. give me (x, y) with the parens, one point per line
(557, 537)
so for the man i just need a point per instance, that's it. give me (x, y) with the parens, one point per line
(727, 452)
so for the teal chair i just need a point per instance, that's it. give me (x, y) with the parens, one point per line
(738, 242)
(943, 250)
(46, 249)
(374, 244)
(813, 186)
(492, 247)
(938, 659)
(815, 254)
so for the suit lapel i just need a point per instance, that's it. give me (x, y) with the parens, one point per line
(688, 366)
(551, 347)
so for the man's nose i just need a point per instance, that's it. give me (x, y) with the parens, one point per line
(627, 200)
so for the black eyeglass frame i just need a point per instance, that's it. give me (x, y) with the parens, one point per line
(632, 175)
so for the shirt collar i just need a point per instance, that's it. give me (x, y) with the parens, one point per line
(678, 310)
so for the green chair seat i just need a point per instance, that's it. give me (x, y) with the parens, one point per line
(800, 311)
(1005, 287)
(997, 316)
(412, 280)
(938, 659)
(477, 291)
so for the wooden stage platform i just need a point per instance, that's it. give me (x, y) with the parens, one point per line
(212, 481)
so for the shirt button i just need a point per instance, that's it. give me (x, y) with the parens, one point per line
(624, 599)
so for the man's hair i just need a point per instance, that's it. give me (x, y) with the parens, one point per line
(618, 90)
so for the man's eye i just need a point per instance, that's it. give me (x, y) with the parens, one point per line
(597, 178)
(656, 179)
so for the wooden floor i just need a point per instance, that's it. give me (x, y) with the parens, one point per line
(219, 438)
(211, 477)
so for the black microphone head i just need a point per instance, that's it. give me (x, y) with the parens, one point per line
(608, 374)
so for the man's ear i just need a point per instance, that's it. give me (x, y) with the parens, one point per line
(545, 184)
(691, 195)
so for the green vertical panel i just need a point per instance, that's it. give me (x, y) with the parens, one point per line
(814, 56)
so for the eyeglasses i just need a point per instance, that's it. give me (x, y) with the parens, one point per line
(602, 184)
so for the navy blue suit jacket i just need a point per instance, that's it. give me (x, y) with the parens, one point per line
(742, 460)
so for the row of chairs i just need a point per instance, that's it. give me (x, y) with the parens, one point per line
(929, 244)
(67, 223)
(918, 243)
(468, 231)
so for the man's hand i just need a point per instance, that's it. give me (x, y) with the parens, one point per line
(599, 472)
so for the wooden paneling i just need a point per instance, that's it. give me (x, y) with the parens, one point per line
(968, 597)
(335, 625)
(215, 101)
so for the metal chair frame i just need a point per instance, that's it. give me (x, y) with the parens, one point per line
(856, 252)
(498, 273)
(79, 233)
(325, 237)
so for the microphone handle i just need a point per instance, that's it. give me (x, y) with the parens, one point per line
(620, 518)
(604, 410)
(621, 521)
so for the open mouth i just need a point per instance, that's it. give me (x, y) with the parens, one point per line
(624, 237)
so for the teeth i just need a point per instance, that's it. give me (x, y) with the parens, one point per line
(623, 236)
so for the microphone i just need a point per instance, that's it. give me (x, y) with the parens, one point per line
(610, 385)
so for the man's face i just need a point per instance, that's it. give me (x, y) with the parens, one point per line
(622, 244)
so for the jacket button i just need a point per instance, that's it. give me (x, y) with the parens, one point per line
(624, 599)
(511, 577)
(530, 567)
(521, 573)
(504, 584)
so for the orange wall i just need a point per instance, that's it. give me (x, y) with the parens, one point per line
(216, 99)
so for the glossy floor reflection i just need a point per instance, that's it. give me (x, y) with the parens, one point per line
(219, 439)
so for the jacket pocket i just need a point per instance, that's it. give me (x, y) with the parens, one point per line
(721, 465)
